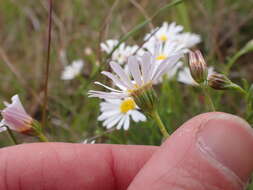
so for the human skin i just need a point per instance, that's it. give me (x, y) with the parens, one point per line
(212, 151)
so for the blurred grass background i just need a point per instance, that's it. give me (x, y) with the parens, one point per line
(80, 26)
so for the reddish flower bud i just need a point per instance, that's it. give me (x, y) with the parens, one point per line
(198, 67)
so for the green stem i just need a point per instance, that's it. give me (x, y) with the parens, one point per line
(239, 89)
(42, 137)
(208, 98)
(11, 136)
(160, 124)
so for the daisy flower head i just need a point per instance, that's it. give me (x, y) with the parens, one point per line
(121, 54)
(163, 51)
(168, 40)
(72, 70)
(119, 112)
(166, 33)
(15, 116)
(143, 73)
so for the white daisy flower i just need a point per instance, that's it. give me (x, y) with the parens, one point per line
(72, 70)
(117, 112)
(172, 40)
(121, 54)
(168, 33)
(165, 33)
(164, 50)
(185, 77)
(143, 72)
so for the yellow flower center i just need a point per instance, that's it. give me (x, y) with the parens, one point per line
(126, 105)
(160, 57)
(163, 38)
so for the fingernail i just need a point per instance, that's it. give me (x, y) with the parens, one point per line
(229, 140)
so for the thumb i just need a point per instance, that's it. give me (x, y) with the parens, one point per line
(211, 151)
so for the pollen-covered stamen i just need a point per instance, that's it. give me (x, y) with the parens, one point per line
(163, 38)
(127, 105)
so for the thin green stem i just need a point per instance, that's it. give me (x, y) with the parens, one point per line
(208, 98)
(38, 131)
(239, 89)
(160, 124)
(11, 136)
(42, 137)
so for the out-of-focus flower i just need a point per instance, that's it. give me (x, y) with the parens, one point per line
(188, 39)
(185, 77)
(15, 116)
(142, 70)
(164, 51)
(117, 112)
(88, 51)
(166, 33)
(72, 70)
(121, 54)
(198, 67)
(168, 40)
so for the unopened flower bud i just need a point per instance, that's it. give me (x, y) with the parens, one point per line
(198, 67)
(219, 82)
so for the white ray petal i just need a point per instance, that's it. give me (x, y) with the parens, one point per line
(137, 116)
(121, 73)
(116, 80)
(121, 122)
(107, 114)
(134, 69)
(106, 95)
(126, 122)
(115, 121)
(107, 87)
(145, 66)
(111, 119)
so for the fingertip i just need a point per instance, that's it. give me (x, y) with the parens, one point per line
(181, 161)
(229, 140)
